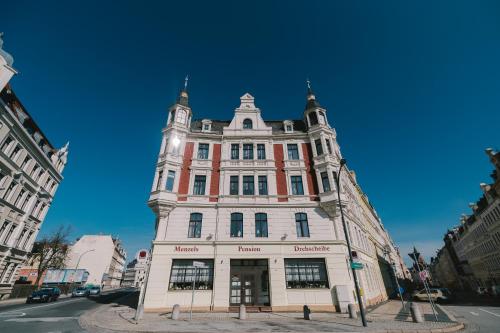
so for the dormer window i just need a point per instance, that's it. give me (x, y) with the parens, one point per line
(322, 118)
(206, 125)
(247, 124)
(288, 125)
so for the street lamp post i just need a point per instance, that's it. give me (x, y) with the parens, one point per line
(358, 294)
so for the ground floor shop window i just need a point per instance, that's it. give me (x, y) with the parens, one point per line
(306, 273)
(183, 274)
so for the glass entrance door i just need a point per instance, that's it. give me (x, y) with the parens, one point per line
(249, 283)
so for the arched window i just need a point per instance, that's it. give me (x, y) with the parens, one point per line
(313, 118)
(247, 124)
(260, 225)
(172, 116)
(236, 225)
(194, 230)
(181, 116)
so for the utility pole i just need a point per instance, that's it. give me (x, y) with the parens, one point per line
(346, 234)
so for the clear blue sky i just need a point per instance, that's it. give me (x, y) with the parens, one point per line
(412, 88)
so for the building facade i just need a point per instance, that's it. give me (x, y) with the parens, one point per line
(102, 256)
(476, 241)
(254, 204)
(135, 273)
(30, 173)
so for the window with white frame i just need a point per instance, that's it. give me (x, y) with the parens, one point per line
(170, 180)
(235, 151)
(194, 230)
(183, 274)
(234, 185)
(293, 151)
(296, 183)
(199, 184)
(306, 273)
(301, 225)
(203, 151)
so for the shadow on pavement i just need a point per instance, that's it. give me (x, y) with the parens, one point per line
(121, 298)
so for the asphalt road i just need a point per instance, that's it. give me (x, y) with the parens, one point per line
(477, 318)
(60, 316)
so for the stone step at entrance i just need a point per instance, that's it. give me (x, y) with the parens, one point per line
(251, 309)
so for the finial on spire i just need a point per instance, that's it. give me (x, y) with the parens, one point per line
(8, 58)
(308, 84)
(186, 82)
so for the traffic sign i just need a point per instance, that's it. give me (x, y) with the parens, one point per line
(356, 265)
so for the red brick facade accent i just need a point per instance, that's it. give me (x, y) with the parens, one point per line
(280, 172)
(215, 177)
(186, 165)
(312, 184)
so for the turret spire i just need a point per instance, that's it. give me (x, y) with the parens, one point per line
(311, 98)
(183, 98)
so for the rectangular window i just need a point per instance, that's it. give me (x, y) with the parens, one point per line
(199, 185)
(293, 151)
(235, 151)
(9, 190)
(260, 225)
(261, 151)
(248, 151)
(20, 238)
(319, 147)
(25, 202)
(40, 213)
(248, 185)
(26, 160)
(306, 273)
(301, 225)
(6, 144)
(19, 197)
(9, 233)
(234, 185)
(297, 188)
(325, 181)
(182, 275)
(170, 181)
(26, 240)
(203, 151)
(263, 185)
(328, 146)
(236, 225)
(14, 153)
(159, 180)
(3, 228)
(194, 230)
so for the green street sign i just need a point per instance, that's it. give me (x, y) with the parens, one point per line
(356, 265)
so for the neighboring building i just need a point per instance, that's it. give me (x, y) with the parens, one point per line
(473, 247)
(136, 270)
(102, 256)
(255, 203)
(30, 173)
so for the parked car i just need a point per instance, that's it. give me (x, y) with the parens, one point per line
(439, 295)
(80, 292)
(44, 295)
(94, 291)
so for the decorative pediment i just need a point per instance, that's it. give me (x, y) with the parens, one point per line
(247, 119)
(247, 102)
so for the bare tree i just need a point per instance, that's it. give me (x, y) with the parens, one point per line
(51, 251)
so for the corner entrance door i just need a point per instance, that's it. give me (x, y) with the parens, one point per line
(249, 282)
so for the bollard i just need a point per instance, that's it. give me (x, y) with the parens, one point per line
(243, 312)
(307, 313)
(176, 311)
(416, 315)
(352, 311)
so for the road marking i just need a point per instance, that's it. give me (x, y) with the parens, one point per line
(474, 313)
(44, 319)
(45, 305)
(12, 314)
(495, 314)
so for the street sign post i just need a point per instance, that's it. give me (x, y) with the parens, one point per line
(196, 265)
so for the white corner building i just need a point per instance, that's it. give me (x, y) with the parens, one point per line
(30, 173)
(102, 256)
(255, 203)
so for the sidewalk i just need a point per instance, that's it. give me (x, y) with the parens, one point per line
(389, 317)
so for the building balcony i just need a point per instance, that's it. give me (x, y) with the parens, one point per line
(329, 202)
(324, 159)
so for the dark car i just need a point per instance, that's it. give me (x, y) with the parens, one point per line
(44, 295)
